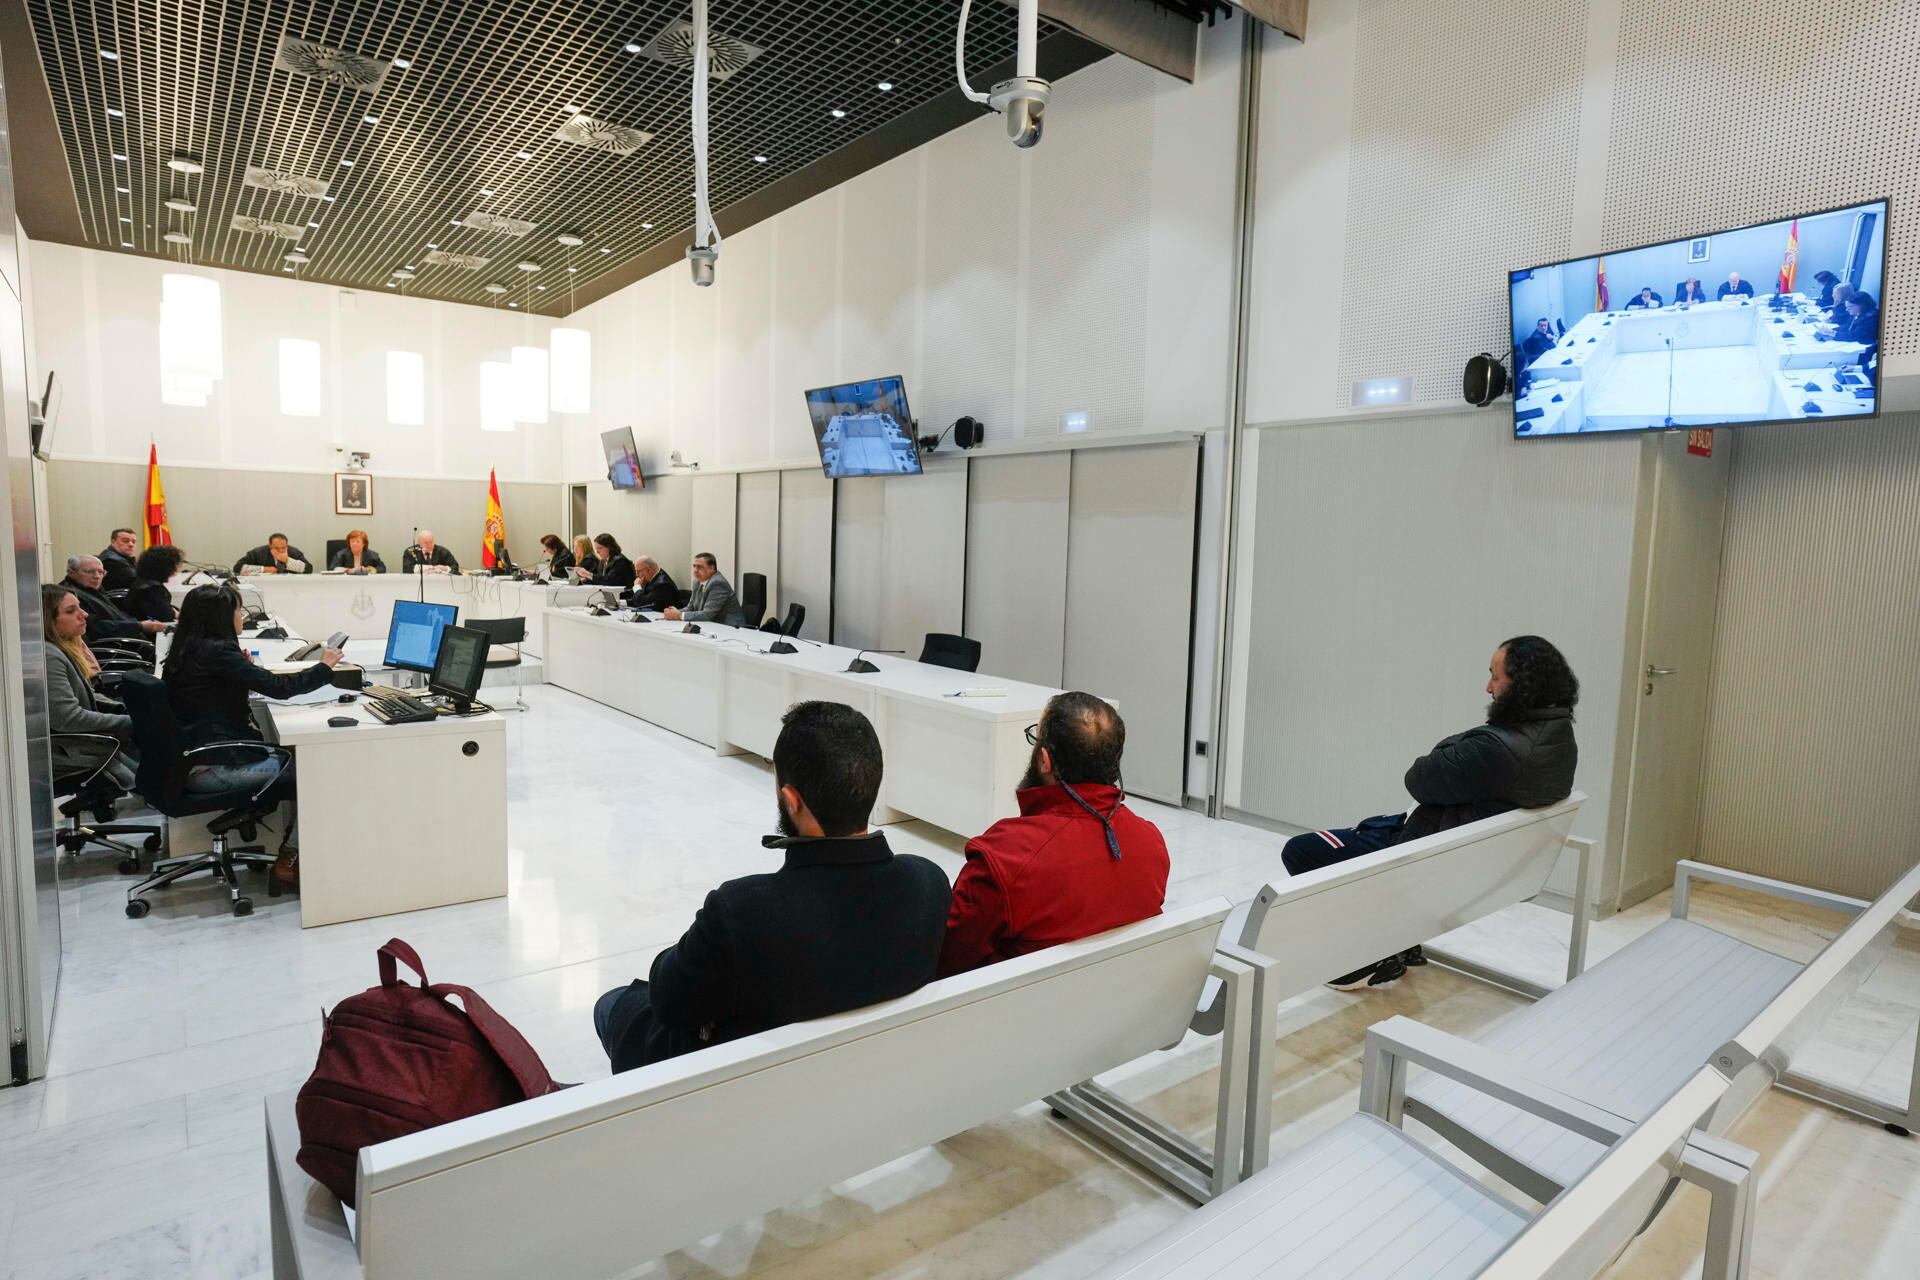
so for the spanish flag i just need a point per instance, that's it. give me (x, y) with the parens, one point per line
(1790, 265)
(496, 530)
(1600, 287)
(158, 535)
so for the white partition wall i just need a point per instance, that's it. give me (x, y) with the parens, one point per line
(900, 558)
(1017, 564)
(713, 520)
(757, 530)
(1130, 597)
(806, 548)
(657, 521)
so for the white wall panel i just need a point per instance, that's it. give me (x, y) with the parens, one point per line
(806, 548)
(860, 561)
(692, 420)
(743, 406)
(1810, 764)
(657, 521)
(879, 273)
(713, 519)
(926, 541)
(758, 523)
(1017, 564)
(1129, 591)
(973, 289)
(806, 311)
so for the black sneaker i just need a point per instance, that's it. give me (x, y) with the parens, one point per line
(1374, 977)
(1413, 958)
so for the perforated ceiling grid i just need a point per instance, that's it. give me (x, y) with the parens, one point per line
(1463, 158)
(489, 82)
(1712, 127)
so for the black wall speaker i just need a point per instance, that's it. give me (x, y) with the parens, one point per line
(968, 432)
(1484, 381)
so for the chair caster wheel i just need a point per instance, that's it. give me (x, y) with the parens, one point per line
(152, 844)
(243, 906)
(273, 887)
(129, 866)
(137, 907)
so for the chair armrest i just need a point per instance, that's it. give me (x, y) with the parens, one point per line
(236, 752)
(1687, 870)
(1392, 1044)
(107, 740)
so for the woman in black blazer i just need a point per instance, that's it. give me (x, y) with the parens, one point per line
(147, 598)
(611, 569)
(559, 559)
(357, 556)
(1863, 320)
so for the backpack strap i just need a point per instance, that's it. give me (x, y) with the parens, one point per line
(396, 950)
(504, 1038)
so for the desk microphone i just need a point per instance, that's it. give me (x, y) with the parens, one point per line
(861, 667)
(781, 646)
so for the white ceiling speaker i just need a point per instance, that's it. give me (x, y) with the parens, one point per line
(343, 67)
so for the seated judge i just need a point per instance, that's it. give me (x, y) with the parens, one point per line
(1826, 280)
(652, 586)
(105, 619)
(1523, 757)
(148, 598)
(1838, 318)
(1646, 299)
(1689, 291)
(844, 923)
(712, 598)
(1734, 287)
(118, 559)
(1863, 320)
(1076, 862)
(72, 707)
(1538, 343)
(429, 554)
(610, 568)
(275, 555)
(357, 556)
(559, 558)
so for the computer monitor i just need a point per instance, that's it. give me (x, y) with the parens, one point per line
(413, 637)
(864, 429)
(461, 664)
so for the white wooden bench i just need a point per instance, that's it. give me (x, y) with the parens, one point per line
(1365, 1199)
(1631, 1029)
(597, 1179)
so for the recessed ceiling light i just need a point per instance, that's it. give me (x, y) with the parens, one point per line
(181, 162)
(401, 63)
(570, 108)
(111, 56)
(121, 158)
(433, 246)
(177, 237)
(885, 86)
(632, 48)
(570, 271)
(514, 305)
(485, 192)
(389, 284)
(288, 269)
(313, 224)
(496, 288)
(180, 204)
(369, 119)
(838, 114)
(116, 113)
(523, 155)
(126, 244)
(409, 266)
(759, 159)
(606, 251)
(125, 191)
(346, 164)
(124, 219)
(528, 266)
(328, 199)
(646, 226)
(454, 222)
(541, 287)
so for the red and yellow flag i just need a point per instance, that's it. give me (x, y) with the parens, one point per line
(158, 535)
(1600, 287)
(1790, 265)
(496, 530)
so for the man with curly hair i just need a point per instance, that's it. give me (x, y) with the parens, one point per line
(1523, 757)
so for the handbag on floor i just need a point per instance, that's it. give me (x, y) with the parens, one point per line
(397, 1059)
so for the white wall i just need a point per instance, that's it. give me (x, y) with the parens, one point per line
(96, 323)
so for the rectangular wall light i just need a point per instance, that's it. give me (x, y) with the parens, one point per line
(299, 378)
(406, 389)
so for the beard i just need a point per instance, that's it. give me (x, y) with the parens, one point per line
(784, 821)
(1031, 778)
(1504, 709)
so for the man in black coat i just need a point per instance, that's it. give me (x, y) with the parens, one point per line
(653, 587)
(1734, 287)
(1537, 343)
(105, 619)
(426, 551)
(844, 923)
(1523, 757)
(1646, 300)
(275, 555)
(117, 560)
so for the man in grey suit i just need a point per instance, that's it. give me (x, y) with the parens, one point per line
(712, 599)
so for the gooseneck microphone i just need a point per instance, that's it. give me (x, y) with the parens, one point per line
(780, 645)
(861, 667)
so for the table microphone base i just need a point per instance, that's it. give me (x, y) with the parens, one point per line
(781, 646)
(861, 667)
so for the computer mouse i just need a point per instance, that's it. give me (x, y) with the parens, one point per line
(348, 697)
(341, 722)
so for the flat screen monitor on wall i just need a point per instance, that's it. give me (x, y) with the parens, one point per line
(623, 460)
(864, 429)
(1776, 322)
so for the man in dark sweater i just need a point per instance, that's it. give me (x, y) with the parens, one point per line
(105, 619)
(117, 560)
(844, 923)
(1523, 757)
(653, 587)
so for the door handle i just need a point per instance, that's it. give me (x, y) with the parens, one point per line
(1653, 671)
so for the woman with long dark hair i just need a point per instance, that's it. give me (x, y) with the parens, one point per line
(148, 596)
(559, 558)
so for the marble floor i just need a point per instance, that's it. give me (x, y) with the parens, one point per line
(141, 1153)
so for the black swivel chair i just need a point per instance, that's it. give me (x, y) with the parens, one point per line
(504, 638)
(162, 780)
(753, 598)
(789, 625)
(958, 652)
(91, 789)
(681, 597)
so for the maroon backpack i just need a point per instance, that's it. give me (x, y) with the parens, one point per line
(397, 1059)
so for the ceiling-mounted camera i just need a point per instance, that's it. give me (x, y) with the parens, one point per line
(1022, 99)
(701, 259)
(356, 458)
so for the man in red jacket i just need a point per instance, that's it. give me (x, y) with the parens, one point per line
(1076, 862)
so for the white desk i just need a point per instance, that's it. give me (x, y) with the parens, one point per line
(394, 817)
(954, 762)
(1830, 399)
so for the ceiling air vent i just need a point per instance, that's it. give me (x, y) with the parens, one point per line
(335, 66)
(264, 226)
(725, 54)
(290, 184)
(494, 222)
(598, 135)
(467, 261)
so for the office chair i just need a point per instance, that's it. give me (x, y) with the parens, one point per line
(958, 652)
(681, 597)
(753, 598)
(91, 789)
(511, 632)
(334, 547)
(162, 780)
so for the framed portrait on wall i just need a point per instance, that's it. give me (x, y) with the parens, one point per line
(1697, 248)
(352, 493)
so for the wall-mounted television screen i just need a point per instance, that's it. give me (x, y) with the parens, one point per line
(864, 429)
(623, 460)
(1777, 322)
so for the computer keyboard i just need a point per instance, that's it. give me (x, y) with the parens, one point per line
(392, 706)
